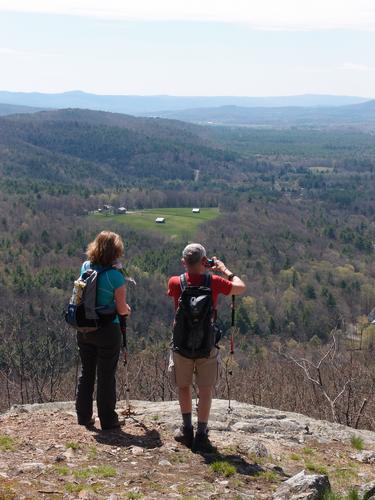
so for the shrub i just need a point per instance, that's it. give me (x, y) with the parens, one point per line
(72, 444)
(7, 443)
(357, 443)
(224, 468)
(318, 468)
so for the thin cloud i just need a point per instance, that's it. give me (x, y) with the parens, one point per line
(348, 66)
(265, 15)
(7, 51)
(10, 52)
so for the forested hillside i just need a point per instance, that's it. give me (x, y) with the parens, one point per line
(296, 222)
(12, 109)
(105, 149)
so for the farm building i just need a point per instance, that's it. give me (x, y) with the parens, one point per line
(108, 209)
(196, 210)
(160, 220)
(121, 210)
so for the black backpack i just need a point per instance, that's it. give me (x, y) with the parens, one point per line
(194, 331)
(82, 313)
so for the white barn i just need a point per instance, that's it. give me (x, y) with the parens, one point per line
(196, 210)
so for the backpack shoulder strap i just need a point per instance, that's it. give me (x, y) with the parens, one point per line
(104, 270)
(183, 282)
(93, 272)
(207, 280)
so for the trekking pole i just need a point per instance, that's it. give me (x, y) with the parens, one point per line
(123, 323)
(196, 397)
(125, 348)
(229, 362)
(76, 376)
(232, 325)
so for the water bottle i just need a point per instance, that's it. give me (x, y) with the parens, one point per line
(78, 288)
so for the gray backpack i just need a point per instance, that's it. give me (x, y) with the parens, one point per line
(82, 313)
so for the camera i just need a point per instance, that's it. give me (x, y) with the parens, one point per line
(210, 262)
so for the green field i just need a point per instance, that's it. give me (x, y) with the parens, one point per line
(179, 222)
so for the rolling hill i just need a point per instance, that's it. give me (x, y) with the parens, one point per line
(91, 147)
(12, 109)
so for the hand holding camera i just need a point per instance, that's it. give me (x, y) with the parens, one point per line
(217, 265)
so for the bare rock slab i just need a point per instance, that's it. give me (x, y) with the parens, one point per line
(303, 486)
(367, 491)
(31, 466)
(366, 457)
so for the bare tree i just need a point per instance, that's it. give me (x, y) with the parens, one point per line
(314, 373)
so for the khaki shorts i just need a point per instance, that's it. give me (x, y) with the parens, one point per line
(206, 370)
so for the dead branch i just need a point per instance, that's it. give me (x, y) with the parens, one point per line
(307, 366)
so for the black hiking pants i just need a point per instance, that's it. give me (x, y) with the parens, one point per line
(99, 352)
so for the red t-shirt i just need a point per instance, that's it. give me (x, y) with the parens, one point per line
(218, 285)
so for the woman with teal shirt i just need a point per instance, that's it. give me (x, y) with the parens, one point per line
(99, 351)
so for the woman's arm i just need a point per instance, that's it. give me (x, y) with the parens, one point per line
(120, 299)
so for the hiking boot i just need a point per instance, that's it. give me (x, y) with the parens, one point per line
(114, 426)
(88, 423)
(202, 443)
(185, 436)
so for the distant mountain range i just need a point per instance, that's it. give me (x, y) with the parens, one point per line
(138, 105)
(355, 115)
(316, 111)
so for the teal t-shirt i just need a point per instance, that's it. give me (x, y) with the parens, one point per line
(107, 284)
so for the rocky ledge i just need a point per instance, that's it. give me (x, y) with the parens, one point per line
(261, 454)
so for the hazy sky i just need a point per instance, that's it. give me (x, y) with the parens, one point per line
(189, 47)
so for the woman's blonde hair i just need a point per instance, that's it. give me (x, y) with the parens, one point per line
(105, 249)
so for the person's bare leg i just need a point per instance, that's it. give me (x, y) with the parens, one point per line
(204, 405)
(184, 397)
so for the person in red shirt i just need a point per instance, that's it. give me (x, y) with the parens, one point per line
(206, 370)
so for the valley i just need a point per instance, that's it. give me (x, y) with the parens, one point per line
(291, 211)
